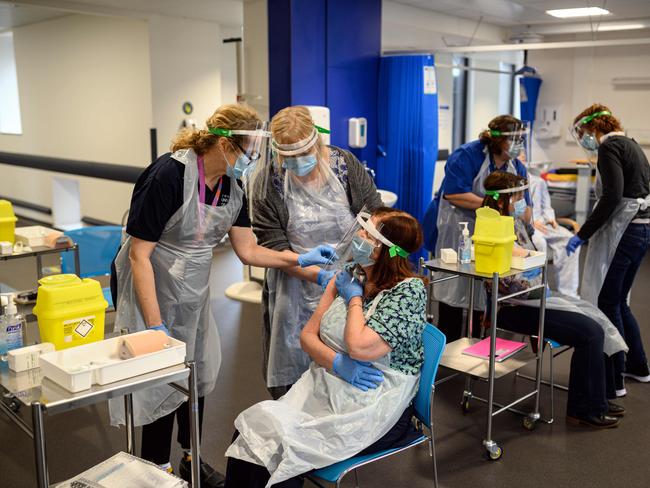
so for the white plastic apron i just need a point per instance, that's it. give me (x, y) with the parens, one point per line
(181, 263)
(317, 215)
(603, 244)
(322, 419)
(456, 292)
(556, 301)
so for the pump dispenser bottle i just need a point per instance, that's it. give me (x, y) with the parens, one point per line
(464, 245)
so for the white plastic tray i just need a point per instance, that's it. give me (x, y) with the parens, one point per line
(535, 259)
(78, 368)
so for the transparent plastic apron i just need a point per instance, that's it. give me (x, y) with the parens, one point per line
(181, 263)
(603, 244)
(456, 292)
(316, 216)
(613, 342)
(322, 419)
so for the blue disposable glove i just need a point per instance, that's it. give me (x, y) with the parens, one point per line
(574, 243)
(363, 375)
(319, 255)
(324, 277)
(162, 327)
(348, 287)
(532, 274)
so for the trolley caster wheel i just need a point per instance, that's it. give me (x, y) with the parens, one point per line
(529, 424)
(465, 405)
(14, 406)
(495, 453)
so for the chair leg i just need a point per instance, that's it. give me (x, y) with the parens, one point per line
(356, 479)
(551, 381)
(432, 448)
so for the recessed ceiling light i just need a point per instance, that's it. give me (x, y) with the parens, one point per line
(566, 13)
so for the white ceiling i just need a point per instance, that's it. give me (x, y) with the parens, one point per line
(513, 13)
(225, 12)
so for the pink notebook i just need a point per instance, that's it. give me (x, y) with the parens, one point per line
(503, 350)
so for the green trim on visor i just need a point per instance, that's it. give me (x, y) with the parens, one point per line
(220, 132)
(492, 193)
(322, 130)
(396, 250)
(588, 118)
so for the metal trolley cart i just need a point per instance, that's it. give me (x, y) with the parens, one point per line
(477, 368)
(43, 395)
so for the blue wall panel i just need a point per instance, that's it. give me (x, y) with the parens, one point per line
(279, 15)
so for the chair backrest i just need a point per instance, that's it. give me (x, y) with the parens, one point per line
(97, 248)
(434, 345)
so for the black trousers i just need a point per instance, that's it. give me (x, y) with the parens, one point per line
(587, 376)
(450, 322)
(242, 474)
(157, 436)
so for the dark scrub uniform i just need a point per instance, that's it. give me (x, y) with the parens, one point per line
(157, 195)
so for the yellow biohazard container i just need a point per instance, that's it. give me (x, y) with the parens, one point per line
(7, 221)
(494, 238)
(70, 311)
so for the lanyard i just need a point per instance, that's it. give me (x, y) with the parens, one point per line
(201, 166)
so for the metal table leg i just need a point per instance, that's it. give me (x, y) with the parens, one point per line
(583, 190)
(40, 453)
(77, 264)
(193, 403)
(130, 424)
(39, 266)
(493, 449)
(540, 344)
(467, 394)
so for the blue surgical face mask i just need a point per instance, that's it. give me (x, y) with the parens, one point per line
(300, 165)
(515, 149)
(589, 142)
(241, 165)
(520, 207)
(361, 251)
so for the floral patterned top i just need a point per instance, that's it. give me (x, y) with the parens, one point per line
(399, 319)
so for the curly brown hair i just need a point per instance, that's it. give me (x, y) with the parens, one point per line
(501, 123)
(604, 124)
(232, 117)
(500, 180)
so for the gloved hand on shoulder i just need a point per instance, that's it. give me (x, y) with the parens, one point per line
(324, 277)
(348, 287)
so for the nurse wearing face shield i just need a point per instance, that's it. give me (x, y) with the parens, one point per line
(618, 231)
(461, 193)
(183, 205)
(307, 196)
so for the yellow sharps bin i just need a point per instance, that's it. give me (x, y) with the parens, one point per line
(7, 222)
(70, 311)
(494, 238)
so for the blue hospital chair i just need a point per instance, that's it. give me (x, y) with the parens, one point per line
(434, 345)
(97, 248)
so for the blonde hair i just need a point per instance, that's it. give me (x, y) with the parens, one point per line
(233, 117)
(293, 124)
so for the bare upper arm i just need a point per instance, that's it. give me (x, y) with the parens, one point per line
(141, 249)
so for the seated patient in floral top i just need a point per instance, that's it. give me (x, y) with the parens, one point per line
(365, 340)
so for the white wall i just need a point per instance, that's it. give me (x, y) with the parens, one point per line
(84, 94)
(576, 78)
(256, 48)
(187, 60)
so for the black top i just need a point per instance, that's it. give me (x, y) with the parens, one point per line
(158, 194)
(624, 172)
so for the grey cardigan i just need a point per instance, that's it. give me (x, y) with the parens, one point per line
(270, 215)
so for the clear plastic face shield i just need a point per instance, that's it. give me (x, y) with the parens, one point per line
(299, 158)
(245, 150)
(357, 246)
(586, 139)
(517, 140)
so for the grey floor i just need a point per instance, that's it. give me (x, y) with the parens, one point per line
(552, 455)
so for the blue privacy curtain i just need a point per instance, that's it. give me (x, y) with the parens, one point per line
(407, 130)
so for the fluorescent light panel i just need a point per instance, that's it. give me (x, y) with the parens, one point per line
(567, 13)
(620, 27)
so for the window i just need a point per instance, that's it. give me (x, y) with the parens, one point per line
(10, 122)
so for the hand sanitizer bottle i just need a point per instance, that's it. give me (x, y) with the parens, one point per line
(464, 245)
(14, 325)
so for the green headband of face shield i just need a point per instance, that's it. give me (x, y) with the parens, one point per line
(229, 132)
(397, 251)
(363, 218)
(589, 118)
(321, 130)
(496, 193)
